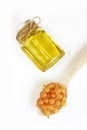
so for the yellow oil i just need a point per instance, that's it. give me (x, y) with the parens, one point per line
(42, 50)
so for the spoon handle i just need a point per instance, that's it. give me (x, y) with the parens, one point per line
(76, 62)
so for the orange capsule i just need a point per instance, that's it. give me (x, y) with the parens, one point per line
(51, 101)
(46, 89)
(47, 113)
(55, 110)
(45, 100)
(43, 107)
(63, 90)
(51, 85)
(64, 98)
(63, 103)
(57, 102)
(59, 96)
(53, 95)
(43, 94)
(48, 96)
(39, 102)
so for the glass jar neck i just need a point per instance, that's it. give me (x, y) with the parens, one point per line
(28, 29)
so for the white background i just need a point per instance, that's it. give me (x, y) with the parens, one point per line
(20, 80)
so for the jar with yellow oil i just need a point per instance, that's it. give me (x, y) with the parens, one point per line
(38, 45)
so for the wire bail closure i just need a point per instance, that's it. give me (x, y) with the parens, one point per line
(29, 27)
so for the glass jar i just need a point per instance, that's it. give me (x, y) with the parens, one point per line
(39, 46)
